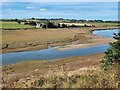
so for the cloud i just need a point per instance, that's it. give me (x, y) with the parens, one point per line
(43, 9)
(36, 8)
(3, 0)
(29, 7)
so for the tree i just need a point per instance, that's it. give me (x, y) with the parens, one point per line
(112, 55)
(85, 25)
(19, 22)
(43, 26)
(16, 19)
(32, 23)
(26, 23)
(58, 25)
(64, 26)
(50, 25)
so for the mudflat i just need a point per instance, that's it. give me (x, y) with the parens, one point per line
(24, 40)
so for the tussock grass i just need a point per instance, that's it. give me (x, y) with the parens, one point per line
(90, 79)
(96, 78)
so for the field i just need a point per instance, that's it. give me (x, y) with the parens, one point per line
(30, 39)
(102, 24)
(97, 24)
(75, 62)
(71, 72)
(26, 38)
(14, 25)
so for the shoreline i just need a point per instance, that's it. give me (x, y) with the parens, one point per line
(102, 40)
(88, 33)
(76, 62)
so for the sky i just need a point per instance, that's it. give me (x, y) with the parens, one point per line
(68, 10)
(59, 0)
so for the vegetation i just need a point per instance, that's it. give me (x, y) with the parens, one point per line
(90, 79)
(53, 23)
(86, 77)
(14, 25)
(112, 56)
(26, 38)
(58, 20)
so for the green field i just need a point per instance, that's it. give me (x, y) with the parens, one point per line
(102, 24)
(14, 25)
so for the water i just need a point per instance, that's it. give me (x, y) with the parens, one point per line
(106, 33)
(53, 53)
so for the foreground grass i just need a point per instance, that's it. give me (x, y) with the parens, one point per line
(14, 25)
(71, 63)
(74, 72)
(84, 78)
(90, 79)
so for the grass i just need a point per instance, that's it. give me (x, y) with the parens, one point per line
(31, 35)
(14, 25)
(21, 38)
(96, 78)
(102, 24)
(18, 39)
(50, 74)
(89, 79)
(71, 62)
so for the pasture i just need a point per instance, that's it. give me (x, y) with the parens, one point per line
(14, 25)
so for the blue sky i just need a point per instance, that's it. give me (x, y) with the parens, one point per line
(69, 10)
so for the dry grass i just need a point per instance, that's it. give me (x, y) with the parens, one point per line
(91, 78)
(74, 72)
(25, 38)
(72, 63)
(21, 40)
(31, 35)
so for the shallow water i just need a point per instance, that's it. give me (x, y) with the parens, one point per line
(53, 53)
(106, 33)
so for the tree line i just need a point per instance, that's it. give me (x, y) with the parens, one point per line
(50, 24)
(64, 20)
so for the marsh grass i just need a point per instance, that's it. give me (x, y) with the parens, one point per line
(90, 79)
(97, 78)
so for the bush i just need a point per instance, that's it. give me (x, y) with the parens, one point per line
(40, 82)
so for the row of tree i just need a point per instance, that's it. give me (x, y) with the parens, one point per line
(52, 25)
(61, 19)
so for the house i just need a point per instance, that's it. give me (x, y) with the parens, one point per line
(38, 25)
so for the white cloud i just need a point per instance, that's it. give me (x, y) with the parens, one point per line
(3, 0)
(43, 9)
(30, 7)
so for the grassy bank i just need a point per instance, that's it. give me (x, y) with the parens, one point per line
(32, 38)
(14, 25)
(74, 72)
(23, 40)
(98, 24)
